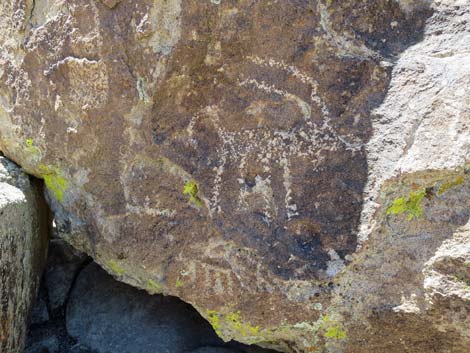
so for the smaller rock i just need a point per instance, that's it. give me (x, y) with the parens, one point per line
(63, 264)
(47, 345)
(78, 348)
(214, 350)
(39, 314)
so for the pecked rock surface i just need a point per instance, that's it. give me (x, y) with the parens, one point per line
(296, 170)
(23, 247)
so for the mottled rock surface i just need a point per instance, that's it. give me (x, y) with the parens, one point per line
(290, 168)
(23, 243)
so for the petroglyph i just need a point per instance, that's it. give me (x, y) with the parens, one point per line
(269, 148)
(198, 273)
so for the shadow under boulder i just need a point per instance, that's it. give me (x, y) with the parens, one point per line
(82, 309)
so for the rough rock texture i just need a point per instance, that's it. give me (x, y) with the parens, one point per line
(290, 168)
(23, 240)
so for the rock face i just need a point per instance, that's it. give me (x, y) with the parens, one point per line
(293, 169)
(23, 244)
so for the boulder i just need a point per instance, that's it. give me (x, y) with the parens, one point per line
(289, 168)
(23, 247)
(63, 265)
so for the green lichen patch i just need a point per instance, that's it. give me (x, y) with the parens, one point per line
(332, 329)
(214, 319)
(191, 189)
(451, 184)
(233, 323)
(54, 181)
(115, 268)
(411, 205)
(154, 287)
(335, 332)
(179, 283)
(31, 149)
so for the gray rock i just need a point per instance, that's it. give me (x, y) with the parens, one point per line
(47, 345)
(40, 313)
(215, 350)
(63, 265)
(78, 348)
(23, 244)
(109, 316)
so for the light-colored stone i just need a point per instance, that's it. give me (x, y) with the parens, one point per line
(23, 244)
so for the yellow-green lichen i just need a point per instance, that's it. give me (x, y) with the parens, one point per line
(411, 205)
(231, 325)
(31, 149)
(233, 322)
(154, 287)
(332, 329)
(191, 189)
(446, 186)
(54, 181)
(115, 268)
(214, 319)
(335, 332)
(179, 283)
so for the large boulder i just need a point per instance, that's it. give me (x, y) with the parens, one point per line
(290, 168)
(23, 246)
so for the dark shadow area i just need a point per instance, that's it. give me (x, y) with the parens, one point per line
(82, 309)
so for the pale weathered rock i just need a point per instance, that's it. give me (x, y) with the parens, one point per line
(289, 168)
(23, 244)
